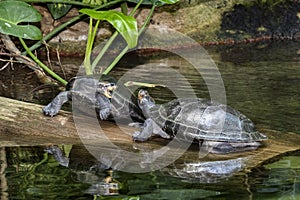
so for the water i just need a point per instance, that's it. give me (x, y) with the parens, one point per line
(261, 80)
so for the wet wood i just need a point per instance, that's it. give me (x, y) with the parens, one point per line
(26, 119)
(23, 124)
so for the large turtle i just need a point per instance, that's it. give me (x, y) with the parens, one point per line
(223, 128)
(99, 93)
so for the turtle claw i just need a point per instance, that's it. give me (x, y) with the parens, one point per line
(104, 114)
(50, 110)
(149, 129)
(164, 135)
(54, 106)
(137, 137)
(136, 125)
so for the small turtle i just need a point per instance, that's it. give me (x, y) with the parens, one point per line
(221, 127)
(101, 94)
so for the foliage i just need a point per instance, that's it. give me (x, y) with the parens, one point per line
(58, 10)
(125, 25)
(15, 13)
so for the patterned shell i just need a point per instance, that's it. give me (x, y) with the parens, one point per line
(205, 120)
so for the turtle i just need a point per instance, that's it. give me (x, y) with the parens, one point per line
(221, 127)
(203, 171)
(102, 94)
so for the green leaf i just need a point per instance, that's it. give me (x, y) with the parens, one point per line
(58, 10)
(156, 2)
(125, 25)
(14, 12)
(26, 31)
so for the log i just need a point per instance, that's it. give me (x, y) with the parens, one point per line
(26, 120)
(23, 124)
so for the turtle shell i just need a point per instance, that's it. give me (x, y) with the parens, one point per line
(83, 89)
(205, 120)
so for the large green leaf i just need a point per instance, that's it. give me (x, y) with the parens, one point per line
(156, 2)
(125, 25)
(14, 12)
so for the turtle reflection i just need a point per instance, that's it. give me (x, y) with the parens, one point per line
(207, 171)
(87, 169)
(101, 178)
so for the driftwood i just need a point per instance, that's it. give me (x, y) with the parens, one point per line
(19, 120)
(23, 124)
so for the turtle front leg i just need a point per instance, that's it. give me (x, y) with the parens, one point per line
(150, 128)
(54, 106)
(103, 103)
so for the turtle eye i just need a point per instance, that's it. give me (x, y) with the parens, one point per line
(106, 85)
(111, 87)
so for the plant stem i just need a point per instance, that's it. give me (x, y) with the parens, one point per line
(87, 57)
(116, 60)
(124, 8)
(123, 52)
(42, 65)
(104, 49)
(78, 3)
(61, 27)
(136, 7)
(89, 46)
(111, 39)
(147, 19)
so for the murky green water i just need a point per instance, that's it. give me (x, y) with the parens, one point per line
(261, 80)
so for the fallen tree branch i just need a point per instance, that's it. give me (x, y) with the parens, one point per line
(21, 119)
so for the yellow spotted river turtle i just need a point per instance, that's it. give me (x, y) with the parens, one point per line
(221, 127)
(100, 92)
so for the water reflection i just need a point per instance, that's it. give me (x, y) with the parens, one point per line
(207, 172)
(191, 166)
(100, 178)
(32, 173)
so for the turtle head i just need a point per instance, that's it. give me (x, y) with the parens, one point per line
(106, 88)
(145, 102)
